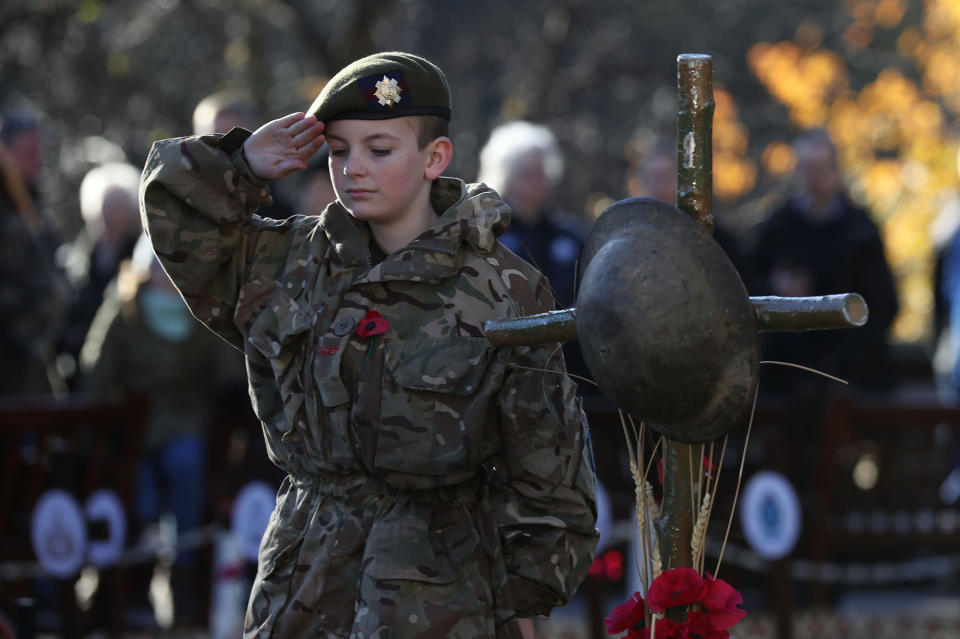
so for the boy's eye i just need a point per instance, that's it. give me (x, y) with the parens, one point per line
(381, 152)
(338, 152)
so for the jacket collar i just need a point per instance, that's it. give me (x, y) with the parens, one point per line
(472, 214)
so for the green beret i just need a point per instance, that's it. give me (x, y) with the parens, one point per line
(381, 86)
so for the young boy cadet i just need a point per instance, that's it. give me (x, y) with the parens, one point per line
(437, 486)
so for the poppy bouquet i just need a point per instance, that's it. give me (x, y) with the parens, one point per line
(710, 607)
(681, 602)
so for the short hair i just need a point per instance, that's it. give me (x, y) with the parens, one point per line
(511, 142)
(429, 128)
(98, 182)
(818, 137)
(226, 101)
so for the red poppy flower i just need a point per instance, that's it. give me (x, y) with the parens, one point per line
(698, 626)
(707, 468)
(675, 587)
(662, 629)
(372, 324)
(626, 615)
(721, 601)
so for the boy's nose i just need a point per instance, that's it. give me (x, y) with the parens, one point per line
(351, 167)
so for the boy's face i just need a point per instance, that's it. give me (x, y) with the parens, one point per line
(377, 170)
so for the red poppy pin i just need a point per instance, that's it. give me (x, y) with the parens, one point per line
(371, 325)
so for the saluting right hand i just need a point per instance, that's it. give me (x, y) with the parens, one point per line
(283, 146)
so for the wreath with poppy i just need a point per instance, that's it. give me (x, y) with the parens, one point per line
(681, 602)
(708, 606)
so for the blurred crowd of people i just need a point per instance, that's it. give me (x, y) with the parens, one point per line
(96, 314)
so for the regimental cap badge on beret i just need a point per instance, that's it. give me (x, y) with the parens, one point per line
(381, 86)
(384, 91)
(388, 91)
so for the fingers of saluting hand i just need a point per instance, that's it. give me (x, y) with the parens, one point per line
(310, 141)
(306, 134)
(292, 120)
(288, 166)
(284, 145)
(296, 123)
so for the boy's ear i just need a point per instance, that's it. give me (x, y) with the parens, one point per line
(439, 153)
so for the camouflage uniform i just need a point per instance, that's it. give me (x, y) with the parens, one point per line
(436, 486)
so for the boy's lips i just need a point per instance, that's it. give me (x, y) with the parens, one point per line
(359, 192)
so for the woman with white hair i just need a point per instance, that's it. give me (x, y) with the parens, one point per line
(523, 163)
(108, 204)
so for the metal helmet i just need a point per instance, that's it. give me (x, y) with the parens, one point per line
(664, 322)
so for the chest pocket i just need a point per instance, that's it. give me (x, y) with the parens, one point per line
(270, 319)
(436, 406)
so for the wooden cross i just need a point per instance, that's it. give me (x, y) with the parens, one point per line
(694, 197)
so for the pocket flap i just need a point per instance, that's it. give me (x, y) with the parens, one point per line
(444, 365)
(406, 549)
(332, 391)
(270, 317)
(326, 371)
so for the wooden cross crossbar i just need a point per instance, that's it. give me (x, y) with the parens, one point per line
(773, 314)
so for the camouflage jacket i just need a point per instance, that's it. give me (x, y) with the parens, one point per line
(436, 486)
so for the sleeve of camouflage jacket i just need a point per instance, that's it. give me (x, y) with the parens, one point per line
(545, 496)
(197, 199)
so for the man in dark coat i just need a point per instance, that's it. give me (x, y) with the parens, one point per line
(819, 243)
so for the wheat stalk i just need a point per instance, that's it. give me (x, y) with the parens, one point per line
(642, 510)
(700, 530)
(655, 541)
(634, 452)
(736, 493)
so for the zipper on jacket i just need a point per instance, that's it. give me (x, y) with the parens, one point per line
(436, 249)
(367, 256)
